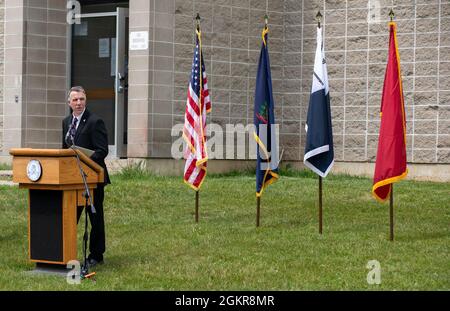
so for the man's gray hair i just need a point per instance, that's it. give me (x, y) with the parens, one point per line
(75, 89)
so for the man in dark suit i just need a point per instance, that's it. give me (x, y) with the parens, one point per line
(85, 129)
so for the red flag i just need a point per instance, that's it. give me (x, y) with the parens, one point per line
(390, 164)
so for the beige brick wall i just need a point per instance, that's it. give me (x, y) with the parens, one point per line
(356, 47)
(140, 92)
(231, 41)
(2, 68)
(45, 73)
(35, 76)
(33, 67)
(356, 54)
(13, 119)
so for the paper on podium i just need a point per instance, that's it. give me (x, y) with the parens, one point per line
(85, 151)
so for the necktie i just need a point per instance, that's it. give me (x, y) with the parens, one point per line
(73, 129)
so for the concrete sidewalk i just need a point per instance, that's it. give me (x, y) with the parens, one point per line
(6, 182)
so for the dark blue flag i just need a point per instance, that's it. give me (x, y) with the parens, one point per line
(264, 120)
(319, 154)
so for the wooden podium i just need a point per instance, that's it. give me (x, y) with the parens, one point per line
(55, 190)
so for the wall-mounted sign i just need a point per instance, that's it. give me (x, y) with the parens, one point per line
(138, 40)
(113, 57)
(81, 29)
(103, 47)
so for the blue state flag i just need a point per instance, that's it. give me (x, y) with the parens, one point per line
(264, 120)
(319, 153)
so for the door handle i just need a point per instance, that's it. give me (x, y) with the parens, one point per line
(119, 81)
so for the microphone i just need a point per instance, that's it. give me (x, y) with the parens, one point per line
(67, 139)
(70, 136)
(86, 192)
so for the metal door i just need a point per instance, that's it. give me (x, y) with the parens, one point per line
(100, 65)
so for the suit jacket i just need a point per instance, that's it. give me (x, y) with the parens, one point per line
(91, 133)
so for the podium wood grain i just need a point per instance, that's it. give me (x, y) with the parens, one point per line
(60, 173)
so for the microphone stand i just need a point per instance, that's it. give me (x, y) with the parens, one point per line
(87, 195)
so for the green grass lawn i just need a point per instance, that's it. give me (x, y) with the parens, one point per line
(4, 166)
(153, 242)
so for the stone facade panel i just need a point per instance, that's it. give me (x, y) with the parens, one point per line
(443, 155)
(428, 112)
(444, 127)
(354, 154)
(425, 127)
(424, 141)
(355, 127)
(443, 141)
(424, 155)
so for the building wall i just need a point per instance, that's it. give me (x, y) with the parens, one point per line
(140, 91)
(231, 40)
(356, 54)
(45, 73)
(356, 41)
(33, 67)
(13, 117)
(35, 75)
(2, 68)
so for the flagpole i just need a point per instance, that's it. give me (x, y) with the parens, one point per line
(319, 18)
(320, 204)
(197, 20)
(258, 198)
(391, 213)
(196, 206)
(258, 205)
(391, 197)
(195, 121)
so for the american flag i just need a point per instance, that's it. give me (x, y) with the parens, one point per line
(194, 132)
